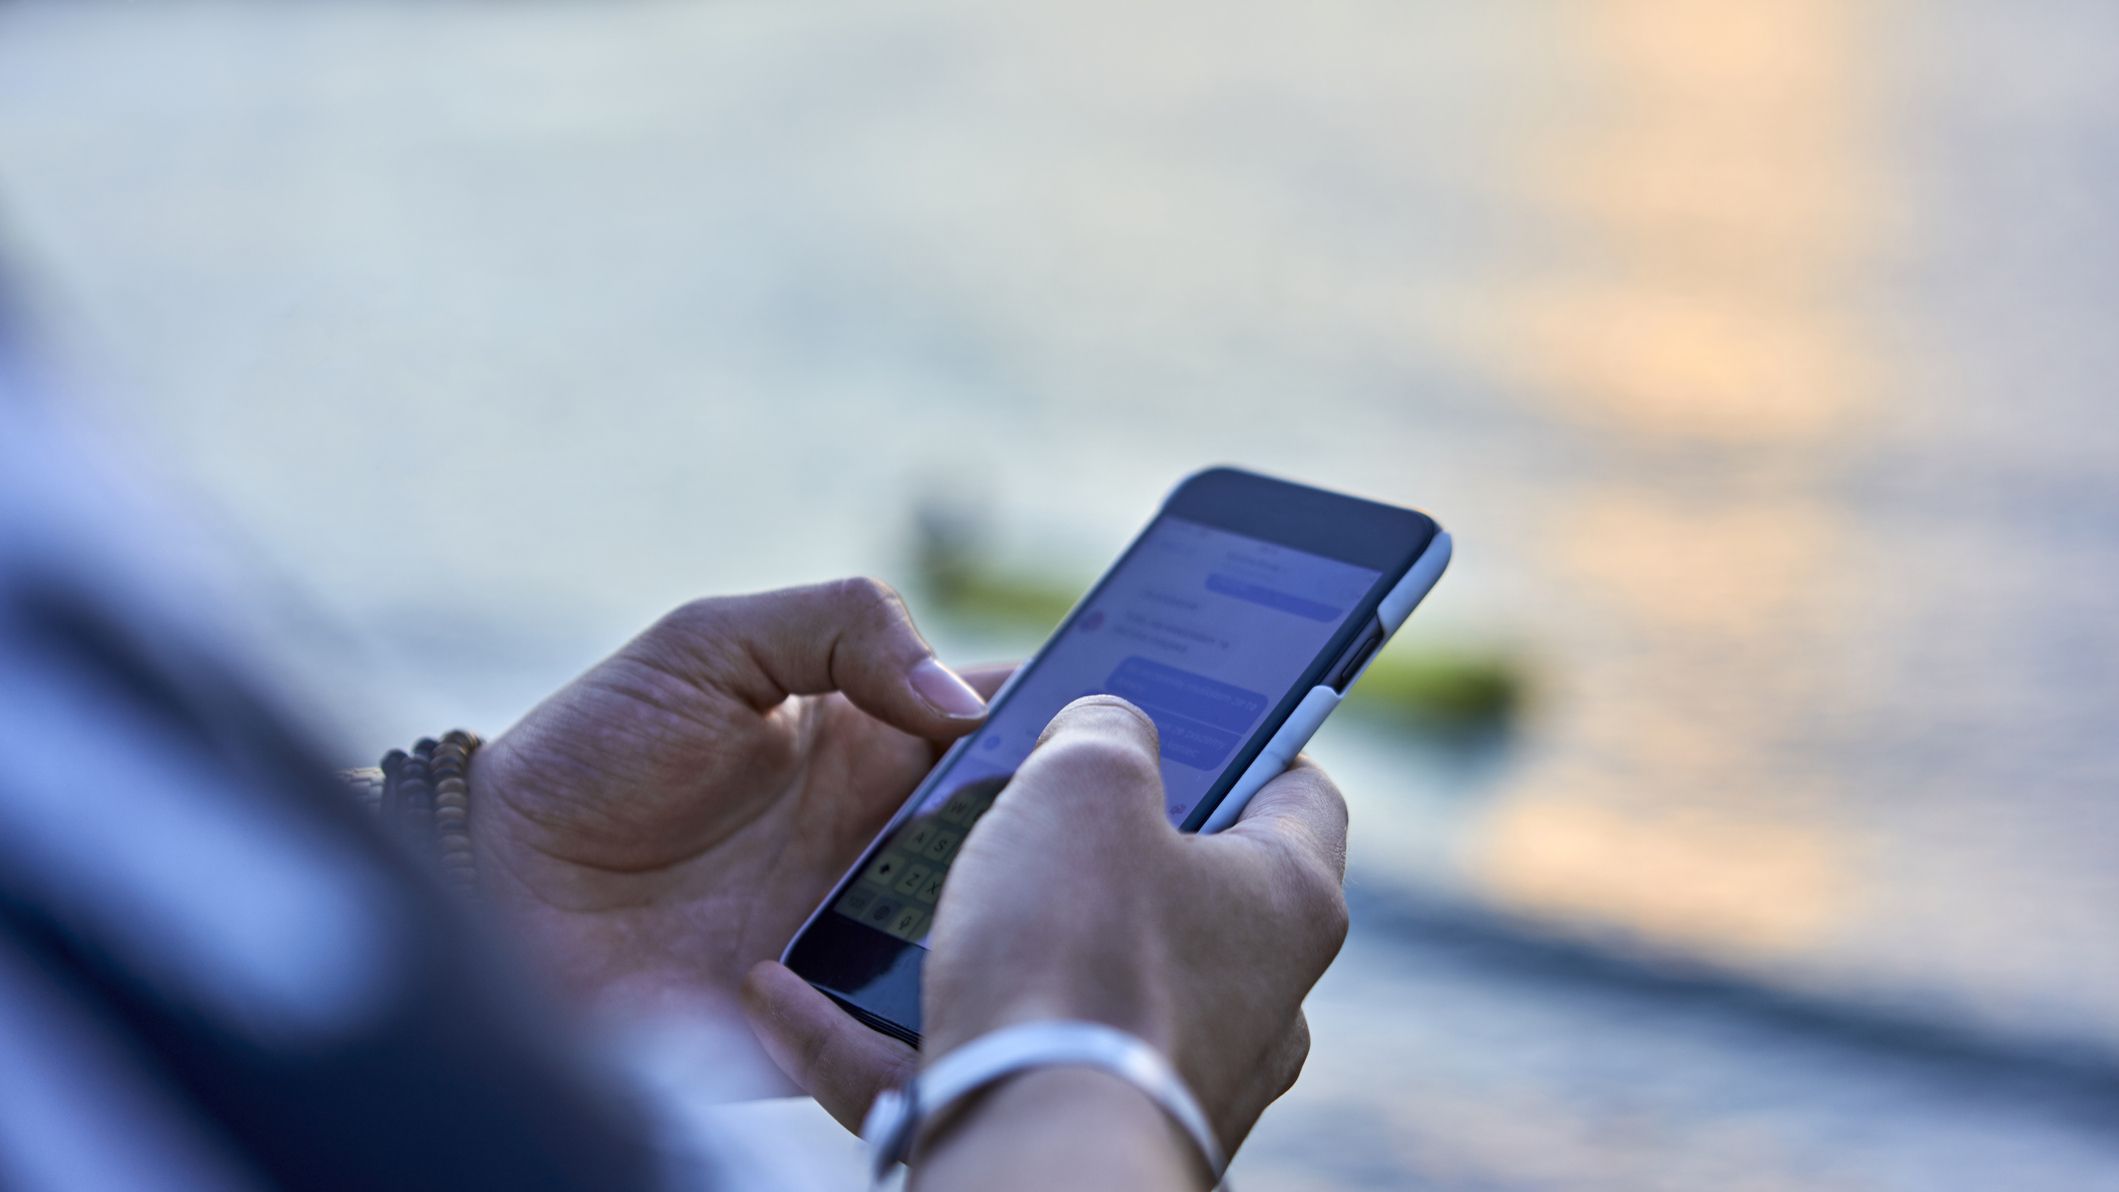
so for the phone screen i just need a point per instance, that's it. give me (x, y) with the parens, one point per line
(1203, 629)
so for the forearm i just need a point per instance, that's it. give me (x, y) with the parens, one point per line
(1059, 1128)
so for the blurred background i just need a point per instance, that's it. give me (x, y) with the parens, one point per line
(1741, 812)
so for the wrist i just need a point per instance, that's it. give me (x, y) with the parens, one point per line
(526, 893)
(1029, 1131)
(976, 1081)
(489, 780)
(1119, 978)
(1141, 1016)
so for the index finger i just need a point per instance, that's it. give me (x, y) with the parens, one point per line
(1302, 811)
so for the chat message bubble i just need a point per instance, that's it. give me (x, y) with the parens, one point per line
(1148, 683)
(1189, 743)
(1273, 598)
(1199, 719)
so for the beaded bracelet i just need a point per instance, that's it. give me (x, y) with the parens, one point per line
(424, 795)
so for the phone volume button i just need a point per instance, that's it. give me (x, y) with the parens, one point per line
(1303, 722)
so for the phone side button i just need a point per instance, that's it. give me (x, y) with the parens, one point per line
(1294, 733)
(1302, 723)
(1255, 776)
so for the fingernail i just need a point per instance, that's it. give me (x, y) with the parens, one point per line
(945, 692)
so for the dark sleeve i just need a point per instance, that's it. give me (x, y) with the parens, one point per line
(238, 978)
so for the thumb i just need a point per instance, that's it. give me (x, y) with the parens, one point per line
(853, 636)
(1302, 813)
(835, 1059)
(1096, 762)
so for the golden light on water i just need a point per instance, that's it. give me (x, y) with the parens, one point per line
(1718, 571)
(1707, 883)
(1667, 362)
(1714, 181)
(1712, 198)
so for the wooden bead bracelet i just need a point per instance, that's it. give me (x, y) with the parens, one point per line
(425, 796)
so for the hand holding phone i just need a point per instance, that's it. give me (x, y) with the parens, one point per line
(1203, 946)
(1077, 899)
(1235, 621)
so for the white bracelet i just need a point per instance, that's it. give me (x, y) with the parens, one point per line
(895, 1118)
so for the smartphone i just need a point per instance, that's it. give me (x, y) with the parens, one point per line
(1236, 620)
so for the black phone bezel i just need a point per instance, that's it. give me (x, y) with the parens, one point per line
(875, 975)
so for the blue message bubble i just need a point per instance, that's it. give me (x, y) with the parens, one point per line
(1199, 719)
(1149, 683)
(1273, 598)
(1189, 743)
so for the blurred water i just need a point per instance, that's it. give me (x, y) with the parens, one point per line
(1756, 357)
